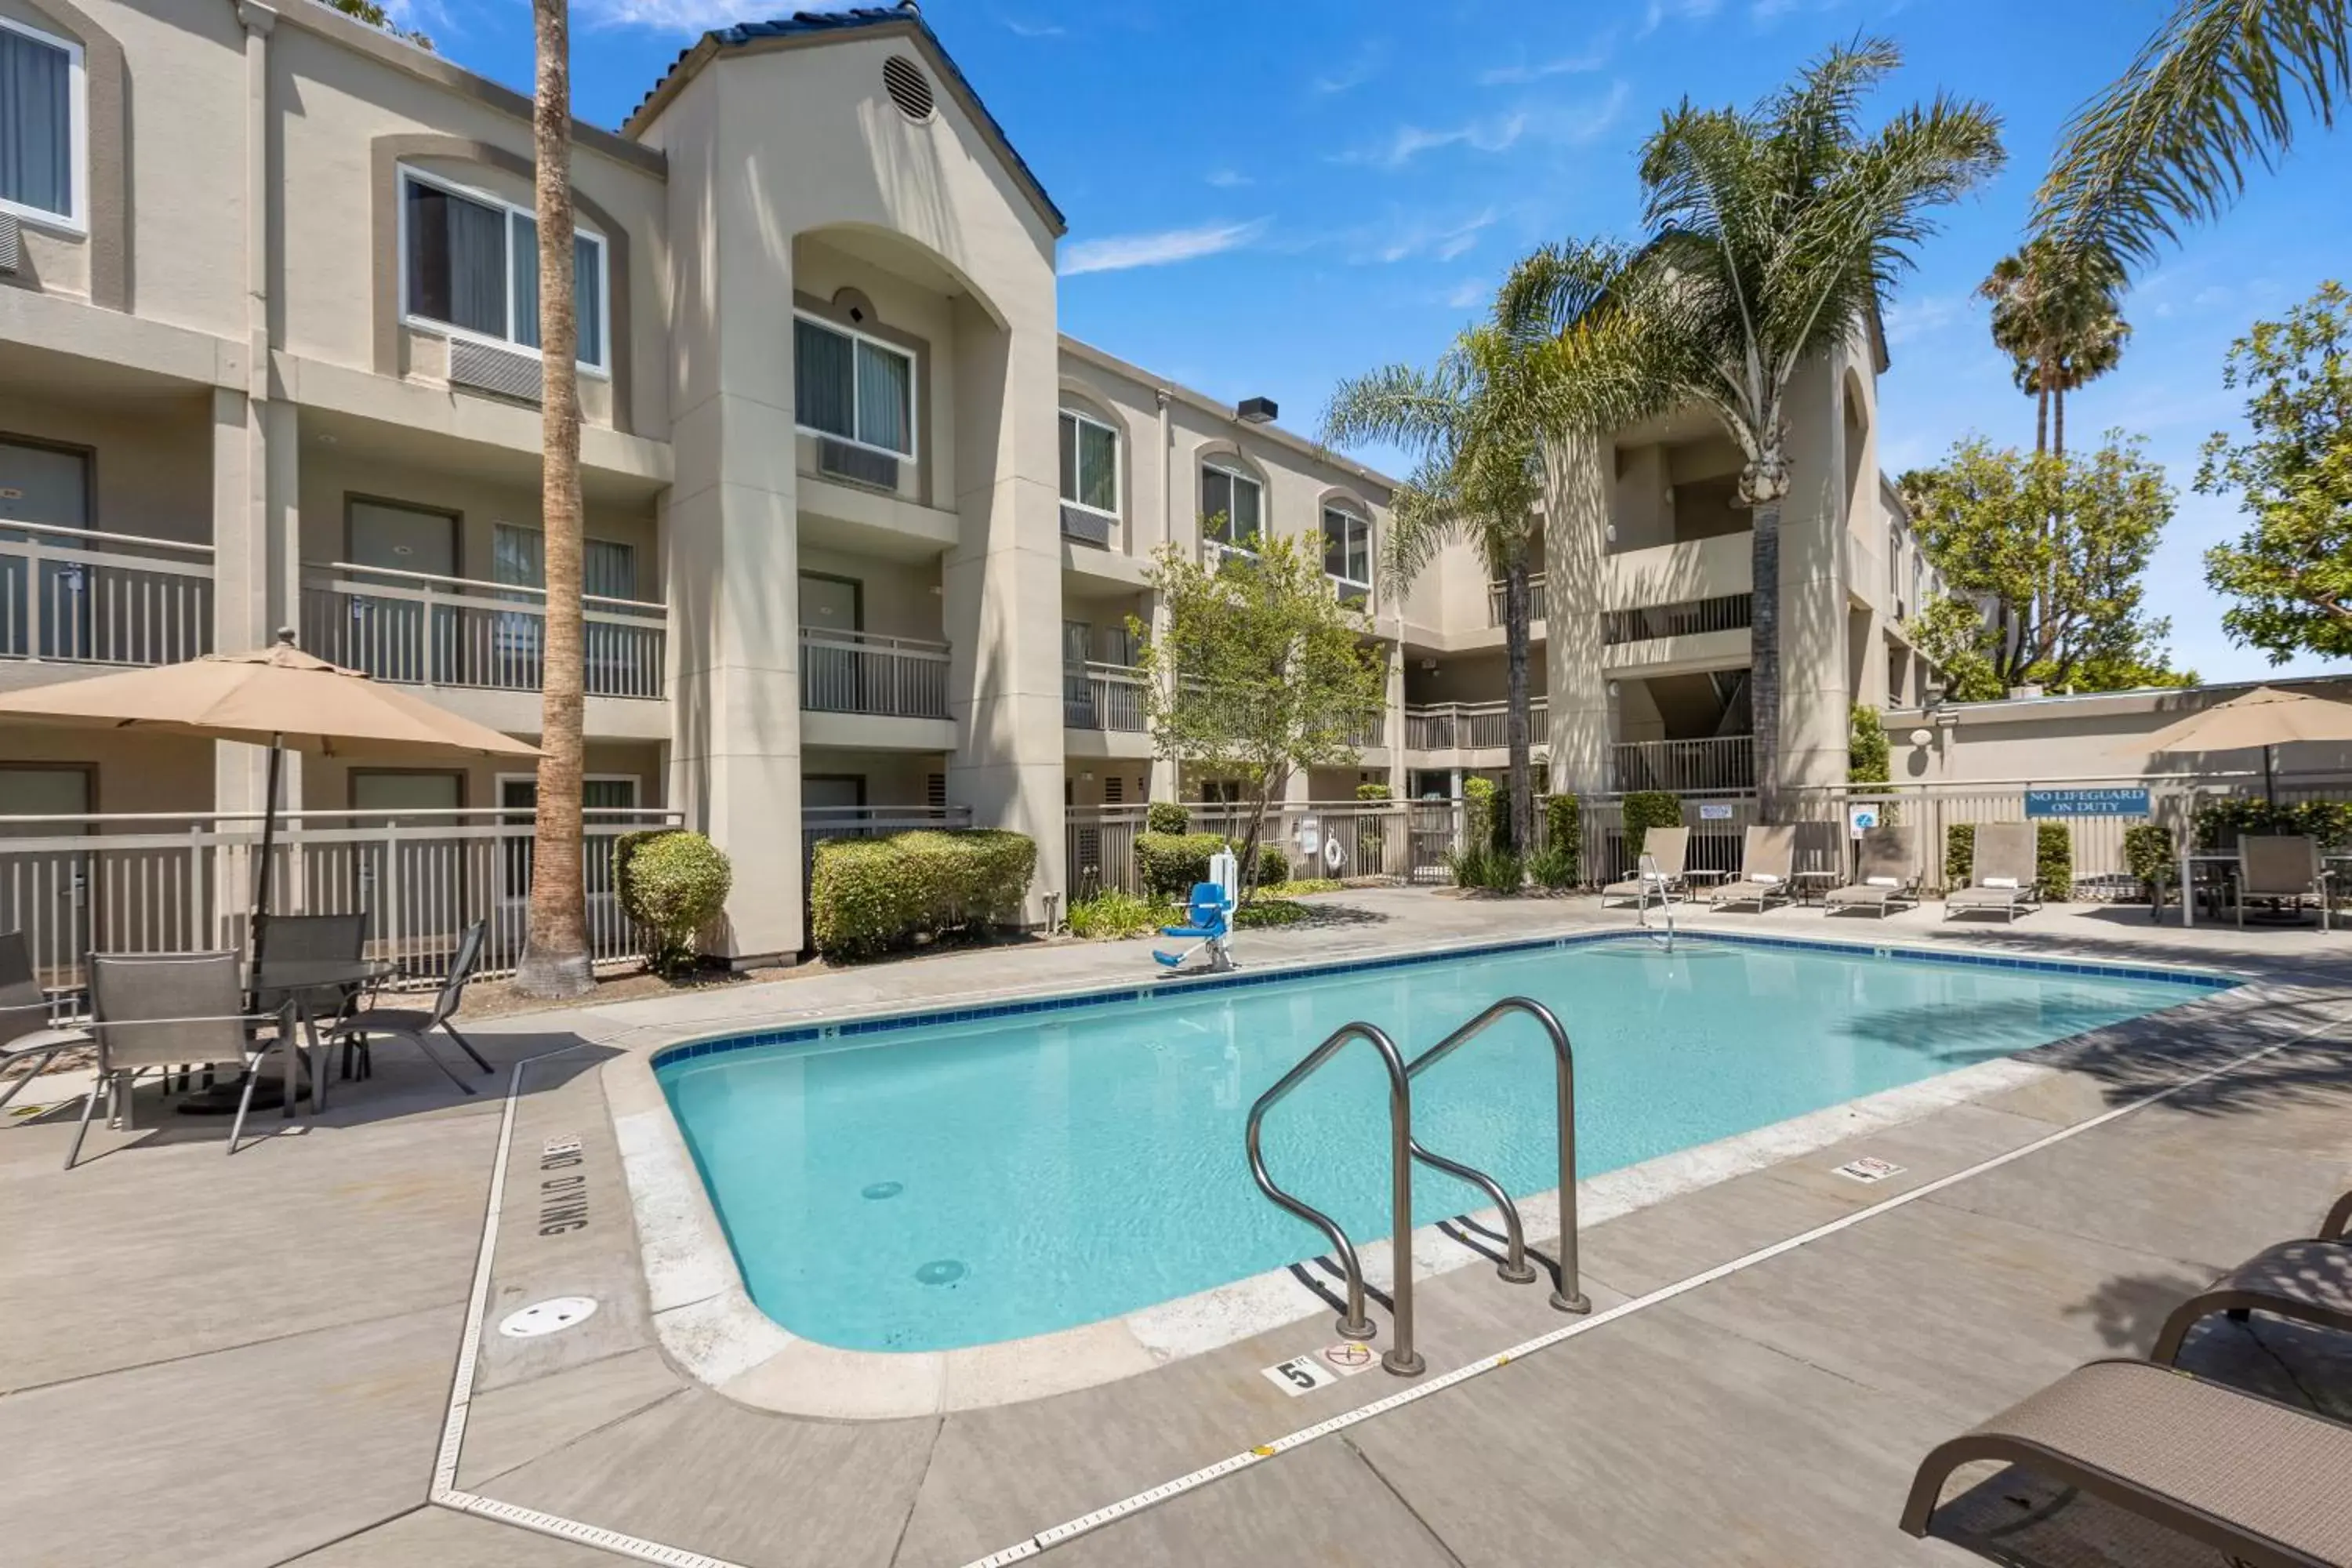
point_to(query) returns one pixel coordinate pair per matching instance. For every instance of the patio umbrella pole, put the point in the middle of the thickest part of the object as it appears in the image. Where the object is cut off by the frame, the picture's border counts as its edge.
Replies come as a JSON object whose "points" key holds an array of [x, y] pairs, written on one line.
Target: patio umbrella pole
{"points": [[2269, 794], [260, 911]]}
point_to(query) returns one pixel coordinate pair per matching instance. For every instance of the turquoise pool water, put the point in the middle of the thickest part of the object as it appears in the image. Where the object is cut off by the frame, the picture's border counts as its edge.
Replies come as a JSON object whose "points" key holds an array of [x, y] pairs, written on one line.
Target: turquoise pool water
{"points": [[959, 1182]]}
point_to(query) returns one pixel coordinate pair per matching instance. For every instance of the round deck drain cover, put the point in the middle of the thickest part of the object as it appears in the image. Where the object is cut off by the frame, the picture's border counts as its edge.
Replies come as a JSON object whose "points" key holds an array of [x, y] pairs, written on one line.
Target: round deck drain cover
{"points": [[549, 1317], [883, 1190], [941, 1271]]}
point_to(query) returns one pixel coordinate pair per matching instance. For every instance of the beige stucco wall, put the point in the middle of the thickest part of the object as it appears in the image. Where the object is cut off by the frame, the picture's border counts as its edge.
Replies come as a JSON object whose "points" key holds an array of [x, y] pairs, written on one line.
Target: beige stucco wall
{"points": [[149, 458], [2050, 740]]}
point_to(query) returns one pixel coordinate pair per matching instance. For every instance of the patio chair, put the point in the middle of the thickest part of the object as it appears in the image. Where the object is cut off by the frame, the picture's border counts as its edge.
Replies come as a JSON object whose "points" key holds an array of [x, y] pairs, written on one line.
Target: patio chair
{"points": [[2282, 869], [297, 939], [161, 1010], [1885, 874], [415, 1024], [2305, 1281], [26, 1031], [2002, 874], [1767, 859], [1667, 847], [2260, 1481]]}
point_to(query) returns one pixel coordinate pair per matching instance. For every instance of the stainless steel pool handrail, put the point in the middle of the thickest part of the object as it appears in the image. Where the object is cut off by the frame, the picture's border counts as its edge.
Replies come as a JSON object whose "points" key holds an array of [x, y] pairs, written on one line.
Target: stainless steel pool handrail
{"points": [[1567, 1296], [1400, 1357]]}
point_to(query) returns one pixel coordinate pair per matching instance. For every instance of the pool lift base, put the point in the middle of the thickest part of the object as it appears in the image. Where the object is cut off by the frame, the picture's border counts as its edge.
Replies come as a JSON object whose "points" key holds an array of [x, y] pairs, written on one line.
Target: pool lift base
{"points": [[1207, 916]]}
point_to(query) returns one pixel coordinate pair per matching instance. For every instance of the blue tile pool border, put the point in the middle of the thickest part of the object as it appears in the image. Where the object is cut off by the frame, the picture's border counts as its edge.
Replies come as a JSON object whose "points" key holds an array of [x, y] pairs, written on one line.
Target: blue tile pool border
{"points": [[2197, 981]]}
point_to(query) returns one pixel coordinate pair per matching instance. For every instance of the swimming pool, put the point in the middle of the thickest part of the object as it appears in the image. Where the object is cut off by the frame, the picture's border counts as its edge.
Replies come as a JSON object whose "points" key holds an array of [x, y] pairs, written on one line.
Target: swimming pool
{"points": [[958, 1179]]}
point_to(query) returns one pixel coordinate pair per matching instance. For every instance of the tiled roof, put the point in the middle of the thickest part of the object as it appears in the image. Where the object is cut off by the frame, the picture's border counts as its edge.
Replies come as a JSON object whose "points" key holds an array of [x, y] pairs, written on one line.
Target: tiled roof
{"points": [[809, 23]]}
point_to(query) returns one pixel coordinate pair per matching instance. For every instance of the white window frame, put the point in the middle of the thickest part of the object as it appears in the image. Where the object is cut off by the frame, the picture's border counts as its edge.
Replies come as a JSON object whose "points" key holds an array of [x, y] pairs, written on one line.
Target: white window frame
{"points": [[600, 370], [914, 391], [1347, 584], [1118, 462], [1238, 475], [75, 222]]}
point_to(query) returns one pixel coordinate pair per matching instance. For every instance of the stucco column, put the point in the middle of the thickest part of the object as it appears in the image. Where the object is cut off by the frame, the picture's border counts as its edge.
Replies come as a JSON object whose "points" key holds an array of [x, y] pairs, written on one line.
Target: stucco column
{"points": [[1814, 691], [1163, 771], [1576, 520], [1002, 586], [1395, 727]]}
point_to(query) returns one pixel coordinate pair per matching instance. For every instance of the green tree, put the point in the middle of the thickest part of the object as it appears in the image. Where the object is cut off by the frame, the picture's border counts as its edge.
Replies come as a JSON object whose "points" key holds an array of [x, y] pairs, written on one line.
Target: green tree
{"points": [[2058, 315], [2291, 572], [2057, 546], [2219, 85], [378, 16], [1261, 671], [1868, 753], [1782, 227]]}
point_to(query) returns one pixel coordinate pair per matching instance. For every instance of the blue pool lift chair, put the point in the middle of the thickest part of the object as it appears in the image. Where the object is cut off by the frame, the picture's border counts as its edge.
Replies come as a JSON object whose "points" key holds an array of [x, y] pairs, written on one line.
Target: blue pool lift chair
{"points": [[1208, 920]]}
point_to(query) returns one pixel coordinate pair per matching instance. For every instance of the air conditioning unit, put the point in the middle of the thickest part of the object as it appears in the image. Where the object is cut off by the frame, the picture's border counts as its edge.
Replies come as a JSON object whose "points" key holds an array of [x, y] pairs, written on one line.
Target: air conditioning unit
{"points": [[1085, 527], [856, 464], [495, 369]]}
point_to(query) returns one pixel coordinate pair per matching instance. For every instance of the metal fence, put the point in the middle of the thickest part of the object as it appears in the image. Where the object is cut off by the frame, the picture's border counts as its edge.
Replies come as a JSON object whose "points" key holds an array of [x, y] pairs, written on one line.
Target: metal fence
{"points": [[857, 672], [155, 883], [1097, 696], [77, 595], [454, 631], [1375, 839]]}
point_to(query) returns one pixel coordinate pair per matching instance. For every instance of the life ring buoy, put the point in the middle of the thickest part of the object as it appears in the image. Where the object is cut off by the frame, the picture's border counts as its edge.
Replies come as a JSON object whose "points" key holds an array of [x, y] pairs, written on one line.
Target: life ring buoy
{"points": [[1335, 854]]}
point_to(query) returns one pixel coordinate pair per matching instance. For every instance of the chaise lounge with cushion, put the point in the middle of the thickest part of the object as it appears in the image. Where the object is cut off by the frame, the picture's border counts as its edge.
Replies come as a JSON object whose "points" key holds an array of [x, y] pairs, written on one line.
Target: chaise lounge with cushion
{"points": [[2002, 876], [1666, 848], [1886, 877], [1767, 856]]}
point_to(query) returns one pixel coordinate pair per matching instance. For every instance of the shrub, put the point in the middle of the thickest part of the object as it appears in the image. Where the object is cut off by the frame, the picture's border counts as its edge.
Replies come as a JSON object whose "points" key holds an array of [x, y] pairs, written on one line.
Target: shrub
{"points": [[1269, 912], [1374, 792], [672, 883], [2148, 854], [1302, 886], [2054, 858], [1647, 808], [1273, 865], [1488, 870], [2220, 822], [1170, 863], [870, 895], [1114, 913], [1866, 752], [1480, 822], [1167, 816], [1563, 860]]}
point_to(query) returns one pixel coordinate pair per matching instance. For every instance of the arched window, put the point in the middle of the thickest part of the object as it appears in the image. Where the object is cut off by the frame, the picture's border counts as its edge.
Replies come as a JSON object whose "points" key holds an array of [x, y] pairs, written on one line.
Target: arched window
{"points": [[1348, 552], [1233, 507], [1089, 464]]}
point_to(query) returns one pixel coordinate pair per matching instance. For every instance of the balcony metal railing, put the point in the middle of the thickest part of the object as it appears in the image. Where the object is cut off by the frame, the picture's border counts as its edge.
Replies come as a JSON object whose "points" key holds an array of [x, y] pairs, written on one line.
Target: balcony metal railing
{"points": [[1471, 726], [1368, 730], [858, 672], [1494, 593], [1728, 612], [1103, 697], [1717, 762], [78, 595], [425, 630]]}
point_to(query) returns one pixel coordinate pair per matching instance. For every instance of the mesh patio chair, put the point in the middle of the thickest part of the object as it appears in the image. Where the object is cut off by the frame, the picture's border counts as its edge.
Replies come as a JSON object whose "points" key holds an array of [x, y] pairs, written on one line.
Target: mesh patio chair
{"points": [[1666, 848], [2002, 875], [26, 1031], [1767, 859], [301, 938], [2283, 871], [161, 1010], [415, 1024], [1886, 874]]}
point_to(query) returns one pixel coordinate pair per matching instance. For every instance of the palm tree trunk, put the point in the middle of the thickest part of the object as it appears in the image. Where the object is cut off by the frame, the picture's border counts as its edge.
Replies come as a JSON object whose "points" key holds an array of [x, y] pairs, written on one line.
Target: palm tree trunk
{"points": [[2058, 420], [1516, 635], [554, 961], [2040, 418], [1764, 659]]}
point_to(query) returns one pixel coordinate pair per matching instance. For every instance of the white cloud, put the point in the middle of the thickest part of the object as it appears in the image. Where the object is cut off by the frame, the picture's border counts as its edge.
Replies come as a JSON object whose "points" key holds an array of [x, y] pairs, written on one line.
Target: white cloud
{"points": [[1404, 241], [1119, 252], [675, 16], [1360, 68], [1554, 124], [1020, 28], [1228, 179], [1469, 293], [1909, 320], [1592, 59], [1661, 12]]}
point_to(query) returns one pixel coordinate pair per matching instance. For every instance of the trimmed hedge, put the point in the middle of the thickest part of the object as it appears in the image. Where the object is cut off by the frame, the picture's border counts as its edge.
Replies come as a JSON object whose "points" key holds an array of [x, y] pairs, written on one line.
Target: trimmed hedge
{"points": [[1170, 863], [2148, 854], [1273, 865], [870, 895], [2053, 858], [1561, 862], [672, 883], [1167, 816], [2220, 823], [1647, 808], [1482, 827]]}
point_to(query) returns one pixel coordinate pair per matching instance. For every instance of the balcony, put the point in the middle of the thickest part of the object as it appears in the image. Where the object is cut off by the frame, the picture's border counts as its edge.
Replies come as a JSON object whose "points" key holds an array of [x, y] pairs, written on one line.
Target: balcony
{"points": [[1107, 697], [422, 630], [1728, 612], [1717, 762], [1471, 726], [1494, 593], [885, 677], [75, 596], [1368, 730]]}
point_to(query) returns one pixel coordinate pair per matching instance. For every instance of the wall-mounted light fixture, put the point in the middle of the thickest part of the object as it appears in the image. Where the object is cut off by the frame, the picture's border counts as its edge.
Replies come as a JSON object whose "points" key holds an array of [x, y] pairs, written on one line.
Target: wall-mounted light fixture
{"points": [[1256, 411]]}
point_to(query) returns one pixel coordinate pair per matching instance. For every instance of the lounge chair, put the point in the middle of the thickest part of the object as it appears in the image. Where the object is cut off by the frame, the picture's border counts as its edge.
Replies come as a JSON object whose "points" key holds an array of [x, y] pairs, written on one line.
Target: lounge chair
{"points": [[1885, 874], [1667, 849], [1767, 860], [2283, 871], [2002, 876], [2260, 1481], [415, 1025], [26, 1033], [161, 1010], [2308, 1281]]}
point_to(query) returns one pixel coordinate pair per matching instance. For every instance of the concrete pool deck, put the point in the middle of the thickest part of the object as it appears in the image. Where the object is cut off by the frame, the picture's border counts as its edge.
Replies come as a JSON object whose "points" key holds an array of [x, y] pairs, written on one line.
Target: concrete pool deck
{"points": [[250, 1359]]}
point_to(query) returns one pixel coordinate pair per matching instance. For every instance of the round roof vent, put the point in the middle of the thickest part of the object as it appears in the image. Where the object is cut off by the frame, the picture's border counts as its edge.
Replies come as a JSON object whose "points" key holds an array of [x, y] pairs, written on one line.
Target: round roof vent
{"points": [[903, 80]]}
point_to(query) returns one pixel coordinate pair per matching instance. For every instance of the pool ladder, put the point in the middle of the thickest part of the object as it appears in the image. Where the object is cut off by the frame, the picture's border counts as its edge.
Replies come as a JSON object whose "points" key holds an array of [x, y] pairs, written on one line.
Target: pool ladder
{"points": [[1400, 1358]]}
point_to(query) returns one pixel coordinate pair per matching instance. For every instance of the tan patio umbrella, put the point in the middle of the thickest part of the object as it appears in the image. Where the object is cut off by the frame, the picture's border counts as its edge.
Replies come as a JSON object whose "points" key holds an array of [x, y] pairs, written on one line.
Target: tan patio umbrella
{"points": [[2265, 717], [277, 697]]}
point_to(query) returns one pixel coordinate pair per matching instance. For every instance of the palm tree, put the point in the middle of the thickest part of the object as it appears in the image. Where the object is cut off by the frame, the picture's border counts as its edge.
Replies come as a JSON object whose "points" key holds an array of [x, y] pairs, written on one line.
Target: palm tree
{"points": [[2058, 314], [1780, 229], [1477, 475], [2220, 84], [554, 961]]}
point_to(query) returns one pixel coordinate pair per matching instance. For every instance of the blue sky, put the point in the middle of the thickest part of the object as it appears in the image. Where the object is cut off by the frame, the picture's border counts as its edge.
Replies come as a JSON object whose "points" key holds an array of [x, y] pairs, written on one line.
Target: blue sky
{"points": [[1264, 199]]}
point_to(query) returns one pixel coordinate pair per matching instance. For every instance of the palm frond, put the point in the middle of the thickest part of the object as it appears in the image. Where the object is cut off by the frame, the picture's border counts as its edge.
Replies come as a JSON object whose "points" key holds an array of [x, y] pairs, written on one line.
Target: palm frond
{"points": [[1397, 404], [1423, 518], [2221, 85]]}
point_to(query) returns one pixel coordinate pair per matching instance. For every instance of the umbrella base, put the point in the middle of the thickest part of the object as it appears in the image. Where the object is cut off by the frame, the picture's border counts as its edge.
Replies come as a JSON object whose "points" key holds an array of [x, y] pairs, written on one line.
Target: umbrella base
{"points": [[269, 1094]]}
